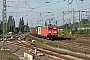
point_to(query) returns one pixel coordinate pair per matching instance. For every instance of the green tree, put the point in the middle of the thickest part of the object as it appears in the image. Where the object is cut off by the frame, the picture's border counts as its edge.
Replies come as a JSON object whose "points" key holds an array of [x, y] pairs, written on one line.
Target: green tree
{"points": [[1, 27], [16, 30], [11, 24], [21, 25]]}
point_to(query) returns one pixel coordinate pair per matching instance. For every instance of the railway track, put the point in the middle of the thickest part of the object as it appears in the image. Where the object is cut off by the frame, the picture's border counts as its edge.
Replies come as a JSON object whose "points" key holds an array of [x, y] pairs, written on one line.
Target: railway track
{"points": [[49, 51], [19, 43], [74, 45], [78, 46]]}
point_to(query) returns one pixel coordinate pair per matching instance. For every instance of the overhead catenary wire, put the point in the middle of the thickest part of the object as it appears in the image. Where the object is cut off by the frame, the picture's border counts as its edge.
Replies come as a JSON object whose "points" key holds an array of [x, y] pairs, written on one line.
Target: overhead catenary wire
{"points": [[33, 8], [30, 10], [25, 11], [43, 5], [72, 0]]}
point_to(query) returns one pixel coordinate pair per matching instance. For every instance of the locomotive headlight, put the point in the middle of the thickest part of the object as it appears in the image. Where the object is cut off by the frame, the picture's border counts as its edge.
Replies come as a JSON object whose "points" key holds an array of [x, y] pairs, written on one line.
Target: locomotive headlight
{"points": [[49, 32], [55, 32]]}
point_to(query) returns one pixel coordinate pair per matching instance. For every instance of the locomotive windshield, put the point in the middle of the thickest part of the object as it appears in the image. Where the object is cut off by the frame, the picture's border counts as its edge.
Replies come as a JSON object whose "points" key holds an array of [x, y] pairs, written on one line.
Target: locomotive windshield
{"points": [[51, 28], [54, 28]]}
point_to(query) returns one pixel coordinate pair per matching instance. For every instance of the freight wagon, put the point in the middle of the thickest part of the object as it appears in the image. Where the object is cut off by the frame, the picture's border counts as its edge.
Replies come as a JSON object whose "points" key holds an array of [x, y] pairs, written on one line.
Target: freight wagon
{"points": [[33, 31]]}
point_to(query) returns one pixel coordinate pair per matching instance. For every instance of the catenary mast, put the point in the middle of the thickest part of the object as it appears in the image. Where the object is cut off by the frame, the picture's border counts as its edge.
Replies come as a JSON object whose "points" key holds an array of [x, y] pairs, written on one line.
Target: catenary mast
{"points": [[4, 18]]}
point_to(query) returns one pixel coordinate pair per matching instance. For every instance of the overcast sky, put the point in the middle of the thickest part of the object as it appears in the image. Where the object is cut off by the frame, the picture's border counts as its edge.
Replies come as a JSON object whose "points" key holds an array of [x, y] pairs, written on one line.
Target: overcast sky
{"points": [[35, 11]]}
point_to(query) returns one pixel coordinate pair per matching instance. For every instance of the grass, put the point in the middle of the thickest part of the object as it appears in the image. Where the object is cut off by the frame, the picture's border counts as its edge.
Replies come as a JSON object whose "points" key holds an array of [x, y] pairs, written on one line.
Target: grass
{"points": [[10, 58], [0, 48], [28, 38], [45, 43], [4, 50]]}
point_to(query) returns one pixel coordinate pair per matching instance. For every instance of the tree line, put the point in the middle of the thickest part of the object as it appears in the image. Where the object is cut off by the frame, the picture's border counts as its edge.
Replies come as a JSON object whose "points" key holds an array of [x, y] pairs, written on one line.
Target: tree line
{"points": [[77, 27], [12, 28]]}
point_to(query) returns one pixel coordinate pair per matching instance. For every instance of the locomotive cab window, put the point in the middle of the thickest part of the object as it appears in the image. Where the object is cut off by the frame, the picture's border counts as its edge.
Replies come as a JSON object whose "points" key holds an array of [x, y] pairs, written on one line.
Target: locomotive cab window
{"points": [[54, 28], [50, 28]]}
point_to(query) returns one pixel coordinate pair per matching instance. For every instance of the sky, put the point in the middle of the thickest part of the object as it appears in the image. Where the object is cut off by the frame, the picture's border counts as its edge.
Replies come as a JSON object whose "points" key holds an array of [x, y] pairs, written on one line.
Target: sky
{"points": [[36, 12]]}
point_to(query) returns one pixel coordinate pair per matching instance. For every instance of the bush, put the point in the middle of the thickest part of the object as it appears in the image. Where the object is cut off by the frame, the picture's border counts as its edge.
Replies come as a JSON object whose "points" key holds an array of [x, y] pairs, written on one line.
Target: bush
{"points": [[88, 31], [85, 31]]}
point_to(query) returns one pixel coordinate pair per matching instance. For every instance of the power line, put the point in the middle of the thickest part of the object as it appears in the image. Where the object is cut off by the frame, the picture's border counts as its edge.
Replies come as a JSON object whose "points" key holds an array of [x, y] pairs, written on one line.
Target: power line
{"points": [[43, 6]]}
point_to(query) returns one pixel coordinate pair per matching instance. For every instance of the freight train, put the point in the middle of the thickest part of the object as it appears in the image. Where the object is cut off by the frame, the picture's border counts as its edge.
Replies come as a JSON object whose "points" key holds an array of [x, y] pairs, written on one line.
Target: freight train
{"points": [[48, 31]]}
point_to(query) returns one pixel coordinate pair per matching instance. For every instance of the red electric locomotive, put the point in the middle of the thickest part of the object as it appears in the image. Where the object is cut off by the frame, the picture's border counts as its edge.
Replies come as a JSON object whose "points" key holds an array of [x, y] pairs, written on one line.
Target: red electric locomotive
{"points": [[49, 31]]}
